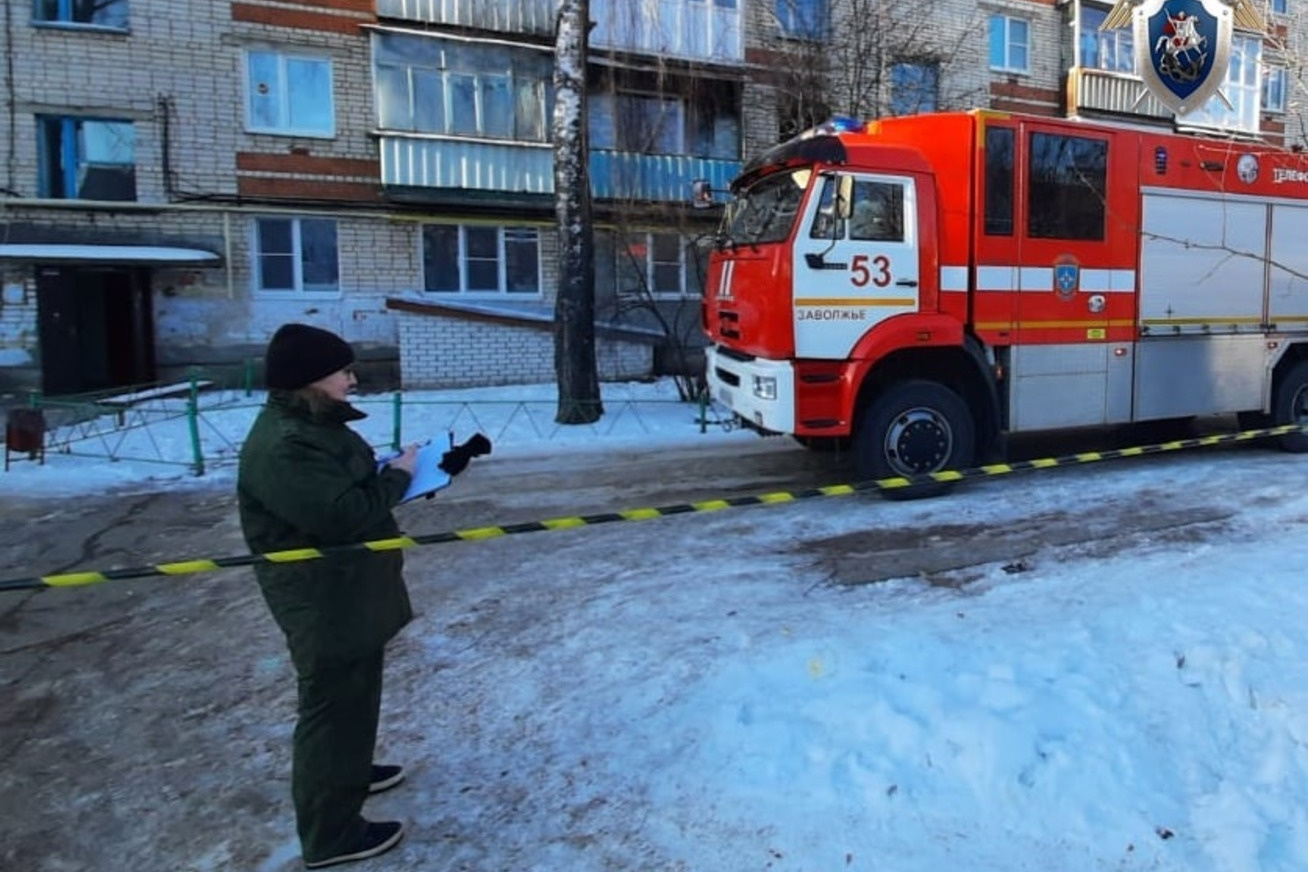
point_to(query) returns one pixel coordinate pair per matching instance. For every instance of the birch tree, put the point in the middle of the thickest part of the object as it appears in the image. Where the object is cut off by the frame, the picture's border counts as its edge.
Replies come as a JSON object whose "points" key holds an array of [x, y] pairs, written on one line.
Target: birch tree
{"points": [[574, 305]]}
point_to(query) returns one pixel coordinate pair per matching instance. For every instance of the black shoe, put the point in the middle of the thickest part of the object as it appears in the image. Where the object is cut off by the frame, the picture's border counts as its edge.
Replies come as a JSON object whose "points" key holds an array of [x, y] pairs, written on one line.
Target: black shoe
{"points": [[378, 838], [384, 778]]}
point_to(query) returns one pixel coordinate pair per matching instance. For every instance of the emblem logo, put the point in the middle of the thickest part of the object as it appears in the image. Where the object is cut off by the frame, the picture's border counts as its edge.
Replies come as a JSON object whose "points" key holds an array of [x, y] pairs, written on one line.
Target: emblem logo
{"points": [[1067, 278], [1183, 47]]}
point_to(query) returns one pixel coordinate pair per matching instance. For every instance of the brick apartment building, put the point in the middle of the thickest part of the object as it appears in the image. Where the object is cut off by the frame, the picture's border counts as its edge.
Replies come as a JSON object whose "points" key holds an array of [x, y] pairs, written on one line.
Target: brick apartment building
{"points": [[180, 178]]}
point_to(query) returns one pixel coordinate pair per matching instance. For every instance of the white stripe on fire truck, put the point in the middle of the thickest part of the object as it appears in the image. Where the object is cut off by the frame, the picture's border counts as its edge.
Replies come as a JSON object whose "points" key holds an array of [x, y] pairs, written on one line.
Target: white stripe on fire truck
{"points": [[1038, 279], [1108, 281], [1035, 278], [953, 278], [996, 278]]}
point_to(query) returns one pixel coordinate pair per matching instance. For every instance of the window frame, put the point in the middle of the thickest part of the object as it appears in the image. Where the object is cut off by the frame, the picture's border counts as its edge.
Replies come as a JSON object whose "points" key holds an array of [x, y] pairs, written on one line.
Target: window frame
{"points": [[72, 158], [791, 27], [1048, 212], [999, 211], [612, 108], [1008, 44], [623, 264], [1246, 96], [504, 236], [1273, 90], [883, 220], [284, 127], [298, 291], [1120, 43], [64, 18], [927, 75], [414, 79]]}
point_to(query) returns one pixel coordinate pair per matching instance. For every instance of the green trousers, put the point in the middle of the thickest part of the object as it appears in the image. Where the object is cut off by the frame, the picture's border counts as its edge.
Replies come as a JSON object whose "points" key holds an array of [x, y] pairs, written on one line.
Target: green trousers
{"points": [[332, 756]]}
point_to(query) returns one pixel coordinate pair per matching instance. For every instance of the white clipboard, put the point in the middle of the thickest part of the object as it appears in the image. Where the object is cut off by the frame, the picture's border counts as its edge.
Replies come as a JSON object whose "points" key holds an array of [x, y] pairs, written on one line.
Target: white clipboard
{"points": [[428, 477]]}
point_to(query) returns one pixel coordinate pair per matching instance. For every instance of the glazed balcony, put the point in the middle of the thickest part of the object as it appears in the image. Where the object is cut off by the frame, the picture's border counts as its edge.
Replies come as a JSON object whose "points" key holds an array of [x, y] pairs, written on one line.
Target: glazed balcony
{"points": [[698, 30]]}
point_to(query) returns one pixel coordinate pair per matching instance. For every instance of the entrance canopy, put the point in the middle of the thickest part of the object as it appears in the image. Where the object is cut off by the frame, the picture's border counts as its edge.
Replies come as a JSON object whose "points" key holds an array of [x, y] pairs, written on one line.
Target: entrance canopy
{"points": [[136, 255]]}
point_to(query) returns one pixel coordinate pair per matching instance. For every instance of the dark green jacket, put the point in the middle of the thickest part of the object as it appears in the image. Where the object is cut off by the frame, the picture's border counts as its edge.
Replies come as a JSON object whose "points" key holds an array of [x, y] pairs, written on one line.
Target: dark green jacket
{"points": [[307, 480]]}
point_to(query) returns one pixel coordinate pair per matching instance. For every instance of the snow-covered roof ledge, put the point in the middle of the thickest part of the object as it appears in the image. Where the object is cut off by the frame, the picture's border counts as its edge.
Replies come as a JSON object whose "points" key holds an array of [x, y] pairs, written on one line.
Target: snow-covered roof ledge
{"points": [[540, 318], [167, 255]]}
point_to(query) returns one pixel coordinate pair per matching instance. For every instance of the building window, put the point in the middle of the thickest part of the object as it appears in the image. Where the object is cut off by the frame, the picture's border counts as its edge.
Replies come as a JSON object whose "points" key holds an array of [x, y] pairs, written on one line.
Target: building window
{"points": [[1112, 50], [802, 19], [914, 87], [1241, 86], [289, 94], [1010, 44], [296, 255], [1067, 187], [1274, 85], [1280, 7], [87, 158], [97, 13], [653, 263], [713, 124], [643, 123], [427, 85], [472, 259]]}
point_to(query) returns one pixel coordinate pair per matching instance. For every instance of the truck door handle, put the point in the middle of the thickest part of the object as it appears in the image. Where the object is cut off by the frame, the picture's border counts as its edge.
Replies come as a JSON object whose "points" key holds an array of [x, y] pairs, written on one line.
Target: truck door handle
{"points": [[906, 283]]}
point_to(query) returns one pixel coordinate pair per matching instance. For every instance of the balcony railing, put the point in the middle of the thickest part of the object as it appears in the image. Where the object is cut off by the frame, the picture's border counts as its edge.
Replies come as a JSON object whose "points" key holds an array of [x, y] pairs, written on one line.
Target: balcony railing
{"points": [[515, 168], [624, 175], [507, 16], [460, 163], [1105, 91]]}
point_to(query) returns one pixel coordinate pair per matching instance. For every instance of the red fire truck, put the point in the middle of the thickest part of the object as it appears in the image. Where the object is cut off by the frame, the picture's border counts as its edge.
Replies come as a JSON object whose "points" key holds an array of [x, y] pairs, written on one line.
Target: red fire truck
{"points": [[919, 286]]}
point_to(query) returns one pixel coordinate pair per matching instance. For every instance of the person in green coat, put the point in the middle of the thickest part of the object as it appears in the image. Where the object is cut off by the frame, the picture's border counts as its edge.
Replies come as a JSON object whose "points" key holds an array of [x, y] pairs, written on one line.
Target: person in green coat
{"points": [[307, 480]]}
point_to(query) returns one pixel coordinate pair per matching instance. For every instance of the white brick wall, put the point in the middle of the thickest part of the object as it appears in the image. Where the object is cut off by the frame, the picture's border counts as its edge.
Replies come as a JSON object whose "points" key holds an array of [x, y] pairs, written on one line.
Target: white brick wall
{"points": [[439, 351], [18, 346]]}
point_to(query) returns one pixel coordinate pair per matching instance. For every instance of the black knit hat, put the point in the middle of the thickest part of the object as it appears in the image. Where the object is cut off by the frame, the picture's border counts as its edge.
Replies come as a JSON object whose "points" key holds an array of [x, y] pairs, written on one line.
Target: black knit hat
{"points": [[299, 355]]}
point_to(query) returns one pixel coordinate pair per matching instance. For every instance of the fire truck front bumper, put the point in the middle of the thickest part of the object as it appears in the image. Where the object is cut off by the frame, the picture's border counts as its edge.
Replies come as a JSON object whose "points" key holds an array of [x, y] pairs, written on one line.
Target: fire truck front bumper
{"points": [[760, 392]]}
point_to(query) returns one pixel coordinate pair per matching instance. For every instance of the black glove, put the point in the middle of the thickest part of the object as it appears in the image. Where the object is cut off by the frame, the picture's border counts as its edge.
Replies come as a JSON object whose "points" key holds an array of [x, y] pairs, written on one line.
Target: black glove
{"points": [[456, 459]]}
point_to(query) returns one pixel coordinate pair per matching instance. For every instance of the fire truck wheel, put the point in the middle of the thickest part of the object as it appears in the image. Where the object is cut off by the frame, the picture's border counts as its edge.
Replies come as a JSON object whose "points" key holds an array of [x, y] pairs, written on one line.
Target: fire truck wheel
{"points": [[1290, 406], [915, 427]]}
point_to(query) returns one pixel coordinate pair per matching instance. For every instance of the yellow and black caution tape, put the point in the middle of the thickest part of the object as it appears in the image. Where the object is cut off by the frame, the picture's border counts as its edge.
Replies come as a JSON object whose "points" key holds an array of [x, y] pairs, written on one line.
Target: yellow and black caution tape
{"points": [[189, 567]]}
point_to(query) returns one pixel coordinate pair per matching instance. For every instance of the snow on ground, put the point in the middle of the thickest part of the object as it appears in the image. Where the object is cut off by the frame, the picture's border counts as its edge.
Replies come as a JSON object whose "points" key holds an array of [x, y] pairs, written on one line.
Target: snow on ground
{"points": [[1141, 709]]}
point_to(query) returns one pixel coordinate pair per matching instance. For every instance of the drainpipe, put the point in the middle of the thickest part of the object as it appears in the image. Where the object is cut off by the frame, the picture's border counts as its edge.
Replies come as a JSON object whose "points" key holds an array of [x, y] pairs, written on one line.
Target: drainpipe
{"points": [[1074, 94], [12, 99], [1076, 34], [227, 255]]}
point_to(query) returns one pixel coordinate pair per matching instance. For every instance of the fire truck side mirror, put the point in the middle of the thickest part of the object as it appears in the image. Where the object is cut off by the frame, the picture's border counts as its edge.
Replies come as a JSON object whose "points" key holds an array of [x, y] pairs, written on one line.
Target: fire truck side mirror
{"points": [[701, 194], [844, 197]]}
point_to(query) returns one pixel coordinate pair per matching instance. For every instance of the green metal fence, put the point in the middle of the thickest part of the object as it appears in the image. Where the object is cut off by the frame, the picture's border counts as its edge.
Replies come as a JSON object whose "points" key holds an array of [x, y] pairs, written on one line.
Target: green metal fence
{"points": [[199, 422]]}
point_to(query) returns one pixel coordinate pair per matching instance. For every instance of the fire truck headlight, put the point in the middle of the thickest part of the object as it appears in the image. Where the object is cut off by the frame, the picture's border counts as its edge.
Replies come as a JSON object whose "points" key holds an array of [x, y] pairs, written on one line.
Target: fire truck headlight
{"points": [[765, 387]]}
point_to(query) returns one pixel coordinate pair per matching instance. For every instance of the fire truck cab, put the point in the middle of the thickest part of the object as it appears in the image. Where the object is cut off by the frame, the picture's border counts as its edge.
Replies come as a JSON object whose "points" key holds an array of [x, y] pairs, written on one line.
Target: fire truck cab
{"points": [[919, 286]]}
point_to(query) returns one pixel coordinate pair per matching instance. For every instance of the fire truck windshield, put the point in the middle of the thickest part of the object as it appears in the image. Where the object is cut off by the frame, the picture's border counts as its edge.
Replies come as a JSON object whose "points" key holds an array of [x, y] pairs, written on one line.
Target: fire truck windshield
{"points": [[765, 211]]}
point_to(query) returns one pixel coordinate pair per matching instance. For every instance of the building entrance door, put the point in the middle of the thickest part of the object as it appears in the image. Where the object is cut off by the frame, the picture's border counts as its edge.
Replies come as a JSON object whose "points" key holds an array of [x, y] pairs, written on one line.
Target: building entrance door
{"points": [[96, 328]]}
